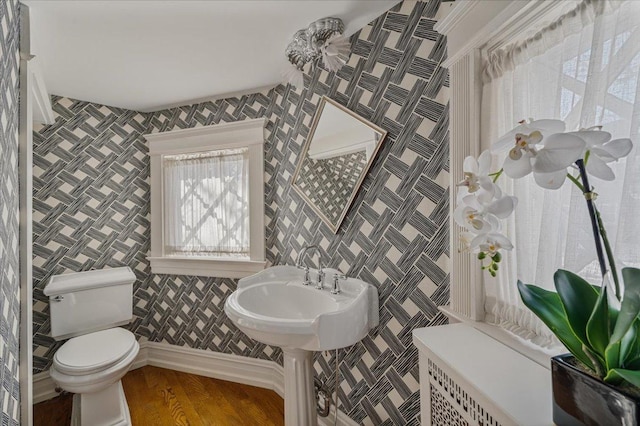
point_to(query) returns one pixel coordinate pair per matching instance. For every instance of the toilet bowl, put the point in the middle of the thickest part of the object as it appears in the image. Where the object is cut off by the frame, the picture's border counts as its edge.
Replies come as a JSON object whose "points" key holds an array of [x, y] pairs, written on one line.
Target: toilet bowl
{"points": [[91, 366], [88, 307]]}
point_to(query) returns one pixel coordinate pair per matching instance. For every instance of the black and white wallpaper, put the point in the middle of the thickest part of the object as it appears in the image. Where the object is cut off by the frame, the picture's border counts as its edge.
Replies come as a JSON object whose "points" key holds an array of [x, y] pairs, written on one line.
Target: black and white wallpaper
{"points": [[9, 211], [91, 201]]}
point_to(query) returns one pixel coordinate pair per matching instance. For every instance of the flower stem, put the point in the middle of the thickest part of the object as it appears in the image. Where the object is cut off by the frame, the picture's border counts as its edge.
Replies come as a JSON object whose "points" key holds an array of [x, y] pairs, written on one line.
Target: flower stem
{"points": [[586, 190], [607, 248], [496, 175], [575, 181]]}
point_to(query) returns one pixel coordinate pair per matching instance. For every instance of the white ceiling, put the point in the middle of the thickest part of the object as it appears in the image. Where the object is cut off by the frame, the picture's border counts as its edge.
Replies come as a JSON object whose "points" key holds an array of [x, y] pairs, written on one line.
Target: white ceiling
{"points": [[146, 55]]}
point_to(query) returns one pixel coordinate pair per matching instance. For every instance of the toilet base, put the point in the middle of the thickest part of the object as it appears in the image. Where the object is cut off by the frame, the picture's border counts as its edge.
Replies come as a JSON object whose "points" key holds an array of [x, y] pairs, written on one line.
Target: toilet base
{"points": [[107, 407]]}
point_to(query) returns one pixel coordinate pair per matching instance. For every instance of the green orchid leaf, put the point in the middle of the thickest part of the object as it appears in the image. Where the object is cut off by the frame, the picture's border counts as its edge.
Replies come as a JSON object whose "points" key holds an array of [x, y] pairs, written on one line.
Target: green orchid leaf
{"points": [[548, 307], [616, 375], [578, 298], [598, 329], [630, 303], [633, 364], [612, 355], [630, 275], [613, 314], [630, 347], [629, 310]]}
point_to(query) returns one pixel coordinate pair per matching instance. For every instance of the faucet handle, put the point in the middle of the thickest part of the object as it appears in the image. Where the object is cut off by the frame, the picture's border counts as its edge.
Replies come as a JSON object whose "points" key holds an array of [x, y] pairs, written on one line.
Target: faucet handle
{"points": [[336, 282], [305, 268], [320, 283]]}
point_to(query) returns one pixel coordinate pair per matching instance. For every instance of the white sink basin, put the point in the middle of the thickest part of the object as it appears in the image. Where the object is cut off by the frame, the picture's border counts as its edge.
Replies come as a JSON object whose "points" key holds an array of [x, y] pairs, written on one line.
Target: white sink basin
{"points": [[274, 307]]}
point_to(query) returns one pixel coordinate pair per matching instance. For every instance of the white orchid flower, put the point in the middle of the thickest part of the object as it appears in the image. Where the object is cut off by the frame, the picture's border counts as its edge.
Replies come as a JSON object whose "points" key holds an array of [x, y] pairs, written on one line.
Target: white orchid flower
{"points": [[560, 151], [602, 150], [488, 191], [552, 180], [525, 144], [502, 207], [465, 239], [476, 176], [519, 161], [475, 171], [544, 127], [548, 163], [482, 217], [475, 220], [491, 243]]}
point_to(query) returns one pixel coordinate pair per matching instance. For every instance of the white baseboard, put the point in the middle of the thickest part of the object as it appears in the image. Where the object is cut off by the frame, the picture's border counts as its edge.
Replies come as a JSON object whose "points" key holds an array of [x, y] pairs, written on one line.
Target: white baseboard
{"points": [[233, 368], [43, 387], [143, 355]]}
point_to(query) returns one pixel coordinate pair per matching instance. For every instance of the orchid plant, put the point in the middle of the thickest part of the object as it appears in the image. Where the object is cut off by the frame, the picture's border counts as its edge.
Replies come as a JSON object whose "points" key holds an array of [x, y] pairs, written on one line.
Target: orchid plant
{"points": [[596, 324]]}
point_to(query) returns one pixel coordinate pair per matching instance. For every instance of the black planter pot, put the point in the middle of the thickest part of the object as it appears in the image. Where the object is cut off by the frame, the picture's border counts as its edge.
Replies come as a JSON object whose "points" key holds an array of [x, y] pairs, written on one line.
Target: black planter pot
{"points": [[581, 399]]}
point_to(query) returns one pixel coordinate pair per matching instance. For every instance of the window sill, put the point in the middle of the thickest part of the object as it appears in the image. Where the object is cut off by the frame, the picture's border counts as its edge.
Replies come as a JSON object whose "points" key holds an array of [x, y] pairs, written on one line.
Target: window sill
{"points": [[534, 353], [205, 267]]}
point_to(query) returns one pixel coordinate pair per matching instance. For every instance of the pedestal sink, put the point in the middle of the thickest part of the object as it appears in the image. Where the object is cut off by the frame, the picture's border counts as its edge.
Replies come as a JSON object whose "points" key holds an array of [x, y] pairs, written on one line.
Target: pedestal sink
{"points": [[274, 307]]}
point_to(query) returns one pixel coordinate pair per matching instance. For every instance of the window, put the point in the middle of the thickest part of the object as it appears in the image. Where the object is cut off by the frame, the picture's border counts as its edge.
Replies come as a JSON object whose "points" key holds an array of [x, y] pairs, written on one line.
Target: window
{"points": [[206, 203], [207, 200], [584, 71], [591, 78]]}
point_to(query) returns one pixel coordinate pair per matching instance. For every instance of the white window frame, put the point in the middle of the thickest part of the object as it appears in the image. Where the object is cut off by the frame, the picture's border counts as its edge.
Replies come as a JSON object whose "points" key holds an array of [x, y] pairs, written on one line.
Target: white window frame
{"points": [[241, 134], [475, 28]]}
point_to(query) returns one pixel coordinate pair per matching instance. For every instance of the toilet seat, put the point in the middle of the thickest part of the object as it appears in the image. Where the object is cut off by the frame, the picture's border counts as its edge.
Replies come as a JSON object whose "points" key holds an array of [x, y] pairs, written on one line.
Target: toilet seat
{"points": [[94, 352]]}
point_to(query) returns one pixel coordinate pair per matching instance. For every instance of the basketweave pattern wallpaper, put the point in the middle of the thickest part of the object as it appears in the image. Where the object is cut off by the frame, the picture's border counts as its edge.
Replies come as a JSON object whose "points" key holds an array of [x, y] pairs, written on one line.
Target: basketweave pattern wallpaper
{"points": [[90, 202], [91, 209], [9, 213]]}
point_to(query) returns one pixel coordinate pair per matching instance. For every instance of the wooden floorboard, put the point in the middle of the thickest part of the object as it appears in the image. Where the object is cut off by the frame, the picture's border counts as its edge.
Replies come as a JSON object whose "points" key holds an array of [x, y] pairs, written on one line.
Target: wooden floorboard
{"points": [[159, 397], [54, 412]]}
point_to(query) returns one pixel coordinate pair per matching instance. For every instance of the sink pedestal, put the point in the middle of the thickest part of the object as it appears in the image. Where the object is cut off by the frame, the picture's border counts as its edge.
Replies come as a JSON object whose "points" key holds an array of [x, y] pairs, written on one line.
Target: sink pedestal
{"points": [[299, 395]]}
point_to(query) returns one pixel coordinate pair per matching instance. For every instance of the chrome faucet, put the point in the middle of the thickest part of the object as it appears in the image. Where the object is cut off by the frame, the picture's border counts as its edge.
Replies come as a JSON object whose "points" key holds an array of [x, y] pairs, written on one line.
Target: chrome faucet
{"points": [[336, 283], [320, 283], [307, 281]]}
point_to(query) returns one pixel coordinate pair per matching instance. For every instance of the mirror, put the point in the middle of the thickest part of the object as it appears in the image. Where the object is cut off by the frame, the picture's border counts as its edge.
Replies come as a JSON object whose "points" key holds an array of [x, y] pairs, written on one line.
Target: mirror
{"points": [[335, 159]]}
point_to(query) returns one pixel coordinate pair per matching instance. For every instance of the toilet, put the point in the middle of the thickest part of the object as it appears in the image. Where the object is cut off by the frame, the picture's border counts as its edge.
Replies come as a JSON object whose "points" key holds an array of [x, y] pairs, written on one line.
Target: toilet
{"points": [[87, 308]]}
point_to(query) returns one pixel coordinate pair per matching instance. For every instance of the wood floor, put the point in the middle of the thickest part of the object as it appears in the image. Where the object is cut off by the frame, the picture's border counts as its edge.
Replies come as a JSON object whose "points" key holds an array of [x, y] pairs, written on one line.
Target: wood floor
{"points": [[159, 397]]}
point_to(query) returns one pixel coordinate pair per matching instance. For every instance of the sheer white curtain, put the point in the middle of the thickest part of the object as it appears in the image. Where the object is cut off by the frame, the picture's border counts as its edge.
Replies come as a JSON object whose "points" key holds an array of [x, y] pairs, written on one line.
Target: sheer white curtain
{"points": [[206, 203], [584, 69]]}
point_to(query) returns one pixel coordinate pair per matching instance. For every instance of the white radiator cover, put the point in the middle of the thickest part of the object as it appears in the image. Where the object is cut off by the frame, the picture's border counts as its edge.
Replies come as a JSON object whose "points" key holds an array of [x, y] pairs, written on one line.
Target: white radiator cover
{"points": [[468, 378]]}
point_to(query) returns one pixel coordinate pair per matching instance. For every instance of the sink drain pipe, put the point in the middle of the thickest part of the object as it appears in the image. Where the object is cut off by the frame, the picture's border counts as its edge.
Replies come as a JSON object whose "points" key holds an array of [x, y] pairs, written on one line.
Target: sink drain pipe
{"points": [[335, 418], [323, 401], [323, 396]]}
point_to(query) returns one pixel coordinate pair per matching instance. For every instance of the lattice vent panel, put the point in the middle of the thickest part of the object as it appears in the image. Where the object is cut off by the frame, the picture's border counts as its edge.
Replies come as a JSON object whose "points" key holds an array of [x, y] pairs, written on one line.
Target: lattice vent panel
{"points": [[442, 412], [451, 404]]}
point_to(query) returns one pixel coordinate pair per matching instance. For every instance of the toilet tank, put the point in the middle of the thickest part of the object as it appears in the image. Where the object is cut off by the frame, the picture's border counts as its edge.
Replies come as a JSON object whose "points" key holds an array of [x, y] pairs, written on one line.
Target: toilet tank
{"points": [[84, 302]]}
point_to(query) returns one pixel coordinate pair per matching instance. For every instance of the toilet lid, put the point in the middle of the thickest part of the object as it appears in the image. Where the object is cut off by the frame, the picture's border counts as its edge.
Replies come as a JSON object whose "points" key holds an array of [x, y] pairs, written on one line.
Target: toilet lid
{"points": [[94, 351]]}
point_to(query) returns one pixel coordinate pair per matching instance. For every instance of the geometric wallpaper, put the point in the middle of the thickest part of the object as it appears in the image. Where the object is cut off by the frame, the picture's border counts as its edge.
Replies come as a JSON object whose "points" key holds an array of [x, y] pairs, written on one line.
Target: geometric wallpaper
{"points": [[9, 211], [90, 202], [91, 209]]}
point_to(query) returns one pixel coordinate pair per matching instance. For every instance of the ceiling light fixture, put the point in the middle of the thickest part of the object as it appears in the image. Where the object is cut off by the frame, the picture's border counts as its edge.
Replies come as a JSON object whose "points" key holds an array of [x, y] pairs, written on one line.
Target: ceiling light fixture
{"points": [[322, 41]]}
